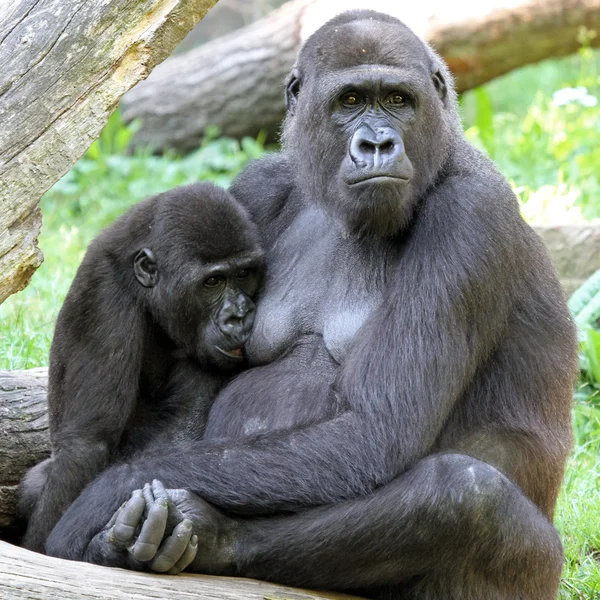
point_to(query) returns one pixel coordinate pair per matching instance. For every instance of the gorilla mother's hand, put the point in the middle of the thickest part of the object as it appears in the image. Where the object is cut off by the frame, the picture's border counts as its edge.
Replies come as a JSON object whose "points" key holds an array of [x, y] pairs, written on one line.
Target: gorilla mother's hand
{"points": [[164, 531]]}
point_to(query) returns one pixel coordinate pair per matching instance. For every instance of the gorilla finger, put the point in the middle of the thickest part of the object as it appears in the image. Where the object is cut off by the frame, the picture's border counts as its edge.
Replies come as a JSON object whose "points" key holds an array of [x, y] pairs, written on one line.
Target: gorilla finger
{"points": [[173, 548], [159, 491], [148, 495], [188, 556], [128, 518], [113, 519], [152, 533]]}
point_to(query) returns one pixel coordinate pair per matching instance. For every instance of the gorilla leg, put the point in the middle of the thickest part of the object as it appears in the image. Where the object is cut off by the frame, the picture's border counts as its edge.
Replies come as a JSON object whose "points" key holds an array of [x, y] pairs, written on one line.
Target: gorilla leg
{"points": [[452, 527], [31, 488], [58, 480]]}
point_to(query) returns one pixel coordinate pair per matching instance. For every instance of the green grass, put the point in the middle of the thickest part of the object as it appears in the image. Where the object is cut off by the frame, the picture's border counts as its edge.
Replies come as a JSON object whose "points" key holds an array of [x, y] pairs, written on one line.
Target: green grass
{"points": [[548, 149], [578, 511]]}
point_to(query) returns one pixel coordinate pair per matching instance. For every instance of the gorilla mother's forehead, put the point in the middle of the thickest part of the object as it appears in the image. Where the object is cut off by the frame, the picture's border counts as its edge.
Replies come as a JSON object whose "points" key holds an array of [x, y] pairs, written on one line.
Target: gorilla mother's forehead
{"points": [[364, 42], [375, 76]]}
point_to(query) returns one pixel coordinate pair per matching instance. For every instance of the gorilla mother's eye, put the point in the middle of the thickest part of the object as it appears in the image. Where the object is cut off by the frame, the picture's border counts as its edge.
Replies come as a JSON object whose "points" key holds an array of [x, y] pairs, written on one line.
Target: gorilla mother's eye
{"points": [[214, 281], [243, 273], [396, 99], [350, 99]]}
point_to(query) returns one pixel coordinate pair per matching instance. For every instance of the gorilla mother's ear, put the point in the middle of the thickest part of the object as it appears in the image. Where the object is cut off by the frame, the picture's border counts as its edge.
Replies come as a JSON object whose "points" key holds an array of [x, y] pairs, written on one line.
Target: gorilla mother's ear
{"points": [[440, 85], [145, 268], [292, 89]]}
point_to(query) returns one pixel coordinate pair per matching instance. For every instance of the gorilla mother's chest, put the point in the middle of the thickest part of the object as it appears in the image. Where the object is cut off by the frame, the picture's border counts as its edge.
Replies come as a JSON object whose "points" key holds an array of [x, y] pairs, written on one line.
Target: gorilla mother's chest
{"points": [[318, 283]]}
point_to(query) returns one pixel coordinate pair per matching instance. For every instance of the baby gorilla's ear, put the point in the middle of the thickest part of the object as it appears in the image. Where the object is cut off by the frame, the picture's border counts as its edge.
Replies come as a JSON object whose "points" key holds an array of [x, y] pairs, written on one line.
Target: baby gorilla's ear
{"points": [[145, 268], [292, 89]]}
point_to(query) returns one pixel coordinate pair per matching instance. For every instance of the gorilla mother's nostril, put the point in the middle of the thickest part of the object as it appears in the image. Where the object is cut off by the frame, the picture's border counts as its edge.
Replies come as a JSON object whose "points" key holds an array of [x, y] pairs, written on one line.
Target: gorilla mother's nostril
{"points": [[367, 147], [387, 146]]}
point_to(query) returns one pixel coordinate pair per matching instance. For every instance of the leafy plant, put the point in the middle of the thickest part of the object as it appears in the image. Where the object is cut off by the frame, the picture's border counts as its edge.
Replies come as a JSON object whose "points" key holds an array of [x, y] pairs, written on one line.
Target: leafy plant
{"points": [[585, 306], [540, 126], [585, 303]]}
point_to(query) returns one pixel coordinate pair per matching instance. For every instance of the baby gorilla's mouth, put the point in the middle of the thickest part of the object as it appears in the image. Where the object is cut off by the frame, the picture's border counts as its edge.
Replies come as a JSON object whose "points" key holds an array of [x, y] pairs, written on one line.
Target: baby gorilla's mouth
{"points": [[237, 353]]}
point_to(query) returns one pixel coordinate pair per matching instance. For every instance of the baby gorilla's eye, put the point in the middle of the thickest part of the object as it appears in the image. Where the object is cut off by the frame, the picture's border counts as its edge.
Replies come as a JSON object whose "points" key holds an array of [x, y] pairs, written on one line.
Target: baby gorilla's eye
{"points": [[396, 99], [350, 99], [213, 281], [243, 274]]}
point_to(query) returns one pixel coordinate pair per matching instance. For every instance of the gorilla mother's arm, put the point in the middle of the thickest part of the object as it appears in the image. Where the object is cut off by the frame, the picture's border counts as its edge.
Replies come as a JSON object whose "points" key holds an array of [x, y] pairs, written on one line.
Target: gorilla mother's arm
{"points": [[444, 312]]}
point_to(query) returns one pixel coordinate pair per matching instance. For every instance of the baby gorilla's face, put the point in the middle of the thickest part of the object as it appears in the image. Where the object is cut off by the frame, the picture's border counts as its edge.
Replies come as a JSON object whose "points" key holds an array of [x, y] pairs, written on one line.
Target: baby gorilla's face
{"points": [[201, 270]]}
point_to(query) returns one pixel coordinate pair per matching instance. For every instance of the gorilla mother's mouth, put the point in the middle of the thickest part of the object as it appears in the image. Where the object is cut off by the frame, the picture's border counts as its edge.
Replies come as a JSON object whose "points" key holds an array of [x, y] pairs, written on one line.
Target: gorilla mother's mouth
{"points": [[237, 353], [374, 177]]}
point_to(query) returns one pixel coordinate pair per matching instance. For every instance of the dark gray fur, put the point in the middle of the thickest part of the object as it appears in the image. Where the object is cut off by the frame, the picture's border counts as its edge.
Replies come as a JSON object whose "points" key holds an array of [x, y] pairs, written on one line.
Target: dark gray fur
{"points": [[405, 430]]}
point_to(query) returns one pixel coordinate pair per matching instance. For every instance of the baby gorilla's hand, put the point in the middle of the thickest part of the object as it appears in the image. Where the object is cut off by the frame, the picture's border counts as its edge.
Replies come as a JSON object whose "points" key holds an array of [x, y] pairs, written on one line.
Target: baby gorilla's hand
{"points": [[140, 524]]}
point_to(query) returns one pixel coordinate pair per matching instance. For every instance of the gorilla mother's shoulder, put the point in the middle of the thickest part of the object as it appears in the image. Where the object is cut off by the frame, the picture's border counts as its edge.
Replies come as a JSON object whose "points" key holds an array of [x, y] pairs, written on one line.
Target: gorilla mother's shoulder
{"points": [[264, 187]]}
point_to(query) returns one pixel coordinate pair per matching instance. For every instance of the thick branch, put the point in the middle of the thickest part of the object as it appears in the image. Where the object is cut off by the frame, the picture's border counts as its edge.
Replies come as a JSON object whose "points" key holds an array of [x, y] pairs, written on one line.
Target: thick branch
{"points": [[63, 68], [236, 82], [25, 575]]}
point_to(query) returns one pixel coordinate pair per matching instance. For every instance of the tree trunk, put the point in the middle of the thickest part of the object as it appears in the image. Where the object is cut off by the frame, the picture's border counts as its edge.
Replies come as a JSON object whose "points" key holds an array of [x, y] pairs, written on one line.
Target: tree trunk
{"points": [[236, 82], [63, 68], [27, 575]]}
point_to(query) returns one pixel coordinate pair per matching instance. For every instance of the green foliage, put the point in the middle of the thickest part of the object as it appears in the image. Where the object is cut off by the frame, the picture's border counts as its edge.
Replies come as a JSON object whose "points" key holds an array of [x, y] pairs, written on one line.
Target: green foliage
{"points": [[540, 125], [585, 302], [578, 521], [107, 180], [585, 306], [590, 356], [578, 518]]}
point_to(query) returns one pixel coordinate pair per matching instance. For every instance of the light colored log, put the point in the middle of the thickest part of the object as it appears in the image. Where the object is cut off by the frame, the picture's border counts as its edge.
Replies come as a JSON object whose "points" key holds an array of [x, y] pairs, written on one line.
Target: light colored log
{"points": [[26, 575], [24, 439], [236, 82], [63, 68]]}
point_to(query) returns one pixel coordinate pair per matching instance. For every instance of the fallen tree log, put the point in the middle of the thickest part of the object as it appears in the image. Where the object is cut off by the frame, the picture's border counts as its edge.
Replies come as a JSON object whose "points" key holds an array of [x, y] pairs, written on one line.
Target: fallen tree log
{"points": [[236, 82], [63, 68], [24, 439], [27, 575]]}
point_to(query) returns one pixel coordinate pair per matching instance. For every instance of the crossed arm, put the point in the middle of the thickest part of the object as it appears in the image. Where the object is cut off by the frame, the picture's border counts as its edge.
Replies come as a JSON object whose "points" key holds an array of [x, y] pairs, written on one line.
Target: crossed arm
{"points": [[413, 360]]}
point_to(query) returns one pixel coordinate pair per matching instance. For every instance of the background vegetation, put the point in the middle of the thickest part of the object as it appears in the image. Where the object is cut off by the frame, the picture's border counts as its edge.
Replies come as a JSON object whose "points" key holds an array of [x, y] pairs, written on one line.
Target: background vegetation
{"points": [[540, 124]]}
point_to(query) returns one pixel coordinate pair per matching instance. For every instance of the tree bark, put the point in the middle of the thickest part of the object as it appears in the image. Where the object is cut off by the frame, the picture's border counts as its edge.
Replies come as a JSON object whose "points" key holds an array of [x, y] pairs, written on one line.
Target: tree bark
{"points": [[236, 82], [27, 575], [24, 439], [63, 68]]}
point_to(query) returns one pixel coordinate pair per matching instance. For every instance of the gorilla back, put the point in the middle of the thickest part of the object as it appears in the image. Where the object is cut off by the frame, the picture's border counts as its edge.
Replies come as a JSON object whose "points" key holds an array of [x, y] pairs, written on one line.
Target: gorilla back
{"points": [[440, 402], [152, 326]]}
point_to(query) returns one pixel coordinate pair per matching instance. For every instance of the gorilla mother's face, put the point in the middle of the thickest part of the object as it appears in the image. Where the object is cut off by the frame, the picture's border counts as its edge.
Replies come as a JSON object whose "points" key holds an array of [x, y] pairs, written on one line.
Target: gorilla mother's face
{"points": [[365, 123]]}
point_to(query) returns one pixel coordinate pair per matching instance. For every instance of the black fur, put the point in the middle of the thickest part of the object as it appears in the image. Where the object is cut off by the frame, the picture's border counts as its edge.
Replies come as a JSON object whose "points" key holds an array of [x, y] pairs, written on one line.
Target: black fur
{"points": [[134, 357], [406, 427]]}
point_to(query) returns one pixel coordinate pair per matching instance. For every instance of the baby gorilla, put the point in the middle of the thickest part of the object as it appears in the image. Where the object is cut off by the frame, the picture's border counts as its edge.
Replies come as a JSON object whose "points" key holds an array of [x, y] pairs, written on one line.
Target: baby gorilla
{"points": [[152, 327]]}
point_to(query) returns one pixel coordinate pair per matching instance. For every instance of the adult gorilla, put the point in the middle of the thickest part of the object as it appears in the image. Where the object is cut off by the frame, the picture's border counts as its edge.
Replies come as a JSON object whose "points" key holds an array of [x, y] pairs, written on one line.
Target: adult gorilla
{"points": [[412, 407]]}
